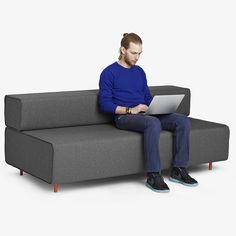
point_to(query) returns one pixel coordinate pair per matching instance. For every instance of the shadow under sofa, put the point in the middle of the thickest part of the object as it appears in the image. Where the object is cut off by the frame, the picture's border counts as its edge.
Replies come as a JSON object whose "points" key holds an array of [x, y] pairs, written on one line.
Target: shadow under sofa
{"points": [[62, 137]]}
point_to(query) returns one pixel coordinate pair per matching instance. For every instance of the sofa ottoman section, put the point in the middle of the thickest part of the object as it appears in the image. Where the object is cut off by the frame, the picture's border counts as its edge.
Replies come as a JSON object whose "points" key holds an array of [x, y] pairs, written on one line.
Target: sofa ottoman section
{"points": [[209, 142]]}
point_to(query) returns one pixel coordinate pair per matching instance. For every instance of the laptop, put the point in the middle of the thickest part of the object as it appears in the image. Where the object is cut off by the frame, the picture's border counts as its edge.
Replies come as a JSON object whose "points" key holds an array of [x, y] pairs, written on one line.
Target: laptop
{"points": [[164, 104]]}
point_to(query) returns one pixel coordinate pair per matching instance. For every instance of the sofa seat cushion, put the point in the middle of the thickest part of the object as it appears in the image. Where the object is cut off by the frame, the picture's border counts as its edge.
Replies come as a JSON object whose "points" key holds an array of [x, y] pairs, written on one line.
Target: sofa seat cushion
{"points": [[97, 151]]}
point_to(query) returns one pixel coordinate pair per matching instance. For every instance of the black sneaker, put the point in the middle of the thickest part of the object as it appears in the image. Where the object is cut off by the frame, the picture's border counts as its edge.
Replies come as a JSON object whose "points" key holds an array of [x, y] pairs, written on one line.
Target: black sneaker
{"points": [[156, 182], [180, 175]]}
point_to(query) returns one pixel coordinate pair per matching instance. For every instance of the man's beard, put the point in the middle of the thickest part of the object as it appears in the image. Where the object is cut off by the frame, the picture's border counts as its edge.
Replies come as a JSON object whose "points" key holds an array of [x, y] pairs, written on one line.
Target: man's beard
{"points": [[128, 62]]}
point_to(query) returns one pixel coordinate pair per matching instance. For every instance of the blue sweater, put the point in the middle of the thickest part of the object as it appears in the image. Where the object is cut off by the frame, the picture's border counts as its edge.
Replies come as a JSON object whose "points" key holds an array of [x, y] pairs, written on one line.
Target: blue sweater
{"points": [[120, 86]]}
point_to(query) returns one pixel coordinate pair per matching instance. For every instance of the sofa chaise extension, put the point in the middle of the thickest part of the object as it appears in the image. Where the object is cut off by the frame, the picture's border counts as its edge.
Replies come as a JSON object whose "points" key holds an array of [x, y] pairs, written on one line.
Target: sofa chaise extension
{"points": [[63, 137]]}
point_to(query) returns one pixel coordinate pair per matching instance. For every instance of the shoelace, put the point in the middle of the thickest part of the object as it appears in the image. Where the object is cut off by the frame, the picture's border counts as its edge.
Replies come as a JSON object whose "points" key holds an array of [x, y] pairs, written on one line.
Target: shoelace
{"points": [[158, 176], [185, 174]]}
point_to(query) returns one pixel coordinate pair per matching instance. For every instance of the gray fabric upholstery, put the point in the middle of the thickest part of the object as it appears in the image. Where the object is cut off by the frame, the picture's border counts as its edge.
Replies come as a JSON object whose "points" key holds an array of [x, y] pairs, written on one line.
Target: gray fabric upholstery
{"points": [[63, 137], [99, 151], [71, 108], [209, 141], [29, 153]]}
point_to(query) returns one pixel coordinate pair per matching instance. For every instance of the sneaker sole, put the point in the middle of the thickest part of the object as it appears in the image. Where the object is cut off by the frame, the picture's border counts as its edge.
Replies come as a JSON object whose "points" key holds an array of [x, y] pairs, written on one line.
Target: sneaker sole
{"points": [[181, 182], [156, 190]]}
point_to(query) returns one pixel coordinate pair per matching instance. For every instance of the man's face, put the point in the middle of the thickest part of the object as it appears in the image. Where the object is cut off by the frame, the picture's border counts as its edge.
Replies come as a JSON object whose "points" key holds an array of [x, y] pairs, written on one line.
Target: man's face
{"points": [[132, 54]]}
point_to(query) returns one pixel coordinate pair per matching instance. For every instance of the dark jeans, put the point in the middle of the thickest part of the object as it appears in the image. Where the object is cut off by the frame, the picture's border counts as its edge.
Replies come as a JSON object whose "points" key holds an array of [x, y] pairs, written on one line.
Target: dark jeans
{"points": [[151, 126]]}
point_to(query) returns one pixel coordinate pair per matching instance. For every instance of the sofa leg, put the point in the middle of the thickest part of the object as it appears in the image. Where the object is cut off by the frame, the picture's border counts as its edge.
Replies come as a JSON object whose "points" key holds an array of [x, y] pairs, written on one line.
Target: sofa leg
{"points": [[210, 165], [21, 172], [55, 187]]}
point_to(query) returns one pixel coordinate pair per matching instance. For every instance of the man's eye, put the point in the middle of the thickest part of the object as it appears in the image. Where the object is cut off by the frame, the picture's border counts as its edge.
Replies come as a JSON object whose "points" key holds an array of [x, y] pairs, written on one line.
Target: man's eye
{"points": [[134, 53]]}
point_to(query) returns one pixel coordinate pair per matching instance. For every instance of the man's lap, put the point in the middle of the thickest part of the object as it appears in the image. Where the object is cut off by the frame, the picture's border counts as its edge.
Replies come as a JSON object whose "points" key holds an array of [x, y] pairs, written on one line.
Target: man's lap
{"points": [[139, 122]]}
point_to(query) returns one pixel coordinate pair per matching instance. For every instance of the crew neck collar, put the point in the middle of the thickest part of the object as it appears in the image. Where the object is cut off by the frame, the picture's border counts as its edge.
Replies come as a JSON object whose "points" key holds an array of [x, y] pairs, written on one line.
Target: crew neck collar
{"points": [[124, 67]]}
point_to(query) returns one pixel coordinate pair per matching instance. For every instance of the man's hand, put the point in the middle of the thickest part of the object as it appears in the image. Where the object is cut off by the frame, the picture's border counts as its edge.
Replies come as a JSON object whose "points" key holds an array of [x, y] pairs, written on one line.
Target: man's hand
{"points": [[139, 108]]}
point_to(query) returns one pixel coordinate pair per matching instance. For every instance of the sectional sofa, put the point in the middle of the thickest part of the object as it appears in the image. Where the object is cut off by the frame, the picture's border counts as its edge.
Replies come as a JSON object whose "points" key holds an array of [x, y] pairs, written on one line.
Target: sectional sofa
{"points": [[62, 137]]}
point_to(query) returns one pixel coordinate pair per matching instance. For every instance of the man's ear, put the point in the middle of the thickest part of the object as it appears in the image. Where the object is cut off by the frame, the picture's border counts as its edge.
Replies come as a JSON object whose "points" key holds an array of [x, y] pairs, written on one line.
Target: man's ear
{"points": [[122, 49]]}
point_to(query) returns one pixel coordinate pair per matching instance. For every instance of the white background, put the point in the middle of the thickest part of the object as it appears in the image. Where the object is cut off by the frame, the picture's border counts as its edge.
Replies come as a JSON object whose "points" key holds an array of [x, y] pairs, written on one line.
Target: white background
{"points": [[63, 45]]}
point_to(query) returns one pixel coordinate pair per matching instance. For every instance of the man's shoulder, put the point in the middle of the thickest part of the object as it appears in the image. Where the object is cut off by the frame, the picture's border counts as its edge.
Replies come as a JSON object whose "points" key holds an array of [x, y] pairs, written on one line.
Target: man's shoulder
{"points": [[110, 67], [108, 72], [139, 68]]}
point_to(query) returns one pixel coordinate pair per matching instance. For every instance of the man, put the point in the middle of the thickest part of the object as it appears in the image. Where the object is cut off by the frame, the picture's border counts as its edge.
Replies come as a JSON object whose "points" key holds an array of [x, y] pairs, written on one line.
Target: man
{"points": [[124, 93]]}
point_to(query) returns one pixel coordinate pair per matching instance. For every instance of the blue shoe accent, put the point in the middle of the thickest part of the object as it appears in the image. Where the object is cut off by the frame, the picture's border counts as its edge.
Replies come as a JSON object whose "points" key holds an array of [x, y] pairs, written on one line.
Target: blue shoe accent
{"points": [[181, 182], [156, 190]]}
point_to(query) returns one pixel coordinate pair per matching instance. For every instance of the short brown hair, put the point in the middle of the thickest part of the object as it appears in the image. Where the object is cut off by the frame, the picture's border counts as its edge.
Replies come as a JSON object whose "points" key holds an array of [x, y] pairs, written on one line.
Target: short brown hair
{"points": [[127, 38]]}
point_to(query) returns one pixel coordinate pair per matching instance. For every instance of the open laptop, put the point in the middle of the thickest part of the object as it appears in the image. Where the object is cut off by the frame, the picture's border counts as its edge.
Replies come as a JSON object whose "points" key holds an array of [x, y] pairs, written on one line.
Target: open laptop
{"points": [[164, 104]]}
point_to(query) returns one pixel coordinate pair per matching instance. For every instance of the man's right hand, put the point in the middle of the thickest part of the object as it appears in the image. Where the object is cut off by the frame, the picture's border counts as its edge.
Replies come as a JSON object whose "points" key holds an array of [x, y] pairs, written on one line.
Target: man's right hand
{"points": [[139, 108]]}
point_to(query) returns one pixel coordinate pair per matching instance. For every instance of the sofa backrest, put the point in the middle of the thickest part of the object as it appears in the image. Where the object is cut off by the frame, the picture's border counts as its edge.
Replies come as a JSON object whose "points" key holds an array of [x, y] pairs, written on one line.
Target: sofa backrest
{"points": [[70, 108]]}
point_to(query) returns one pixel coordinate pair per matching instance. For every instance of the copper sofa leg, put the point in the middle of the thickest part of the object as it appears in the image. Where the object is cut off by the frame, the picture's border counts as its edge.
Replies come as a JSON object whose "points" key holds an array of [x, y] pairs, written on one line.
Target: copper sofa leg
{"points": [[55, 187], [210, 165], [21, 172]]}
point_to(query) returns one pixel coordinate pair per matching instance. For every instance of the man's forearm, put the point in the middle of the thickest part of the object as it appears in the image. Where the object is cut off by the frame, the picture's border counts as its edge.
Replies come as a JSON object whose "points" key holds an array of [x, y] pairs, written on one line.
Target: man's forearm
{"points": [[120, 110]]}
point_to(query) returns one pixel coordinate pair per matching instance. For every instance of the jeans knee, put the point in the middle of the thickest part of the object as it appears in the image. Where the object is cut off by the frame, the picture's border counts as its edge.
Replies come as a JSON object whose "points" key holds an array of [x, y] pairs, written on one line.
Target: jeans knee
{"points": [[153, 123], [183, 121]]}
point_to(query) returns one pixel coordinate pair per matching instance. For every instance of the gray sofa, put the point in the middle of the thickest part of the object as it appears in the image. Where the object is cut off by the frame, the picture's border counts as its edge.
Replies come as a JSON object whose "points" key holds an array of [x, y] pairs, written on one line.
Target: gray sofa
{"points": [[62, 137]]}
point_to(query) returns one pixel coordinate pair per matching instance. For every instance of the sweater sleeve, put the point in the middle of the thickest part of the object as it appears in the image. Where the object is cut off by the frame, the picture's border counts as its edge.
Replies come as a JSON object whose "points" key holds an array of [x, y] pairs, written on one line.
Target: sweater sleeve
{"points": [[147, 95], [105, 92]]}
